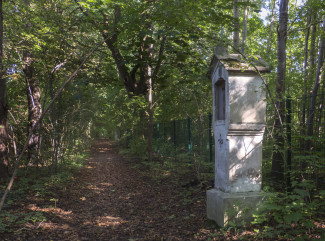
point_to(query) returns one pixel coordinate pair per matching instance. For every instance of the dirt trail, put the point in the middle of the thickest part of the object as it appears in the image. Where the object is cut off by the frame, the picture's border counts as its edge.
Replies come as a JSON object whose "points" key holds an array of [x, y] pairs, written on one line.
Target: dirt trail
{"points": [[110, 200]]}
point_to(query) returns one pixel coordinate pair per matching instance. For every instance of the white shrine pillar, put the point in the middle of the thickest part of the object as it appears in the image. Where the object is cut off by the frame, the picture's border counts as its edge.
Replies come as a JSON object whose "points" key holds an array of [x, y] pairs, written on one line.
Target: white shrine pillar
{"points": [[238, 123]]}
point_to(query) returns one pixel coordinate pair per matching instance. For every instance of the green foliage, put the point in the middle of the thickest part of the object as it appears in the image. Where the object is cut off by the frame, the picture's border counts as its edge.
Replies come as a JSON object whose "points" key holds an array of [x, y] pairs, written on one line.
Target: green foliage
{"points": [[9, 219], [37, 182], [96, 103], [288, 215], [137, 148]]}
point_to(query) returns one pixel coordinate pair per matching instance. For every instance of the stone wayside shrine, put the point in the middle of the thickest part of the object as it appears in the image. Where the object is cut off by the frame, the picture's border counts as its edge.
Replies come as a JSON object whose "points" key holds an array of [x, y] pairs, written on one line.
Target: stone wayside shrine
{"points": [[238, 123]]}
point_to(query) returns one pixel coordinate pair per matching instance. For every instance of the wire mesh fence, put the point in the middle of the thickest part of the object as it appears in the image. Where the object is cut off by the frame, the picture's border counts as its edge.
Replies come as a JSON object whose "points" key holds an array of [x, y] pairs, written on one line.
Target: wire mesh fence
{"points": [[187, 138], [303, 151], [303, 131]]}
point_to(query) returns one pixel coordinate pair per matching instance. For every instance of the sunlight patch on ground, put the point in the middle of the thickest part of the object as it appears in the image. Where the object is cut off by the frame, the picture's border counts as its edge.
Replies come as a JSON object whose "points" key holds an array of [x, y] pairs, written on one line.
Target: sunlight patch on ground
{"points": [[48, 226], [104, 149], [166, 173], [109, 221], [56, 210], [106, 184], [320, 225], [98, 189], [129, 195]]}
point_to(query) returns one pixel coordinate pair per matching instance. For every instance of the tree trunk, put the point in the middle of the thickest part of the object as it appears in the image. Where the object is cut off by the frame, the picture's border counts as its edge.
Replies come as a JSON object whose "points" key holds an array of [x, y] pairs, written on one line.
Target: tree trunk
{"points": [[144, 84], [236, 25], [278, 158], [306, 54], [58, 93], [132, 86], [312, 46], [34, 103], [3, 109], [269, 40], [244, 34], [305, 72], [312, 108], [146, 56], [151, 114], [311, 114]]}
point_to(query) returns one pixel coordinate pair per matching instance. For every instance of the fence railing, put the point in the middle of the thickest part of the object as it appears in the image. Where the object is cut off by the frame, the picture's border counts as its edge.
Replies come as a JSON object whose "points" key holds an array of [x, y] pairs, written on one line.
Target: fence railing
{"points": [[193, 138]]}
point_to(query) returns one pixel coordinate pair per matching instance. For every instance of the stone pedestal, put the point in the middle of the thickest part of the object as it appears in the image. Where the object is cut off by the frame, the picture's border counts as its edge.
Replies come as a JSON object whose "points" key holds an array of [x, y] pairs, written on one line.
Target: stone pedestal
{"points": [[239, 120], [237, 208]]}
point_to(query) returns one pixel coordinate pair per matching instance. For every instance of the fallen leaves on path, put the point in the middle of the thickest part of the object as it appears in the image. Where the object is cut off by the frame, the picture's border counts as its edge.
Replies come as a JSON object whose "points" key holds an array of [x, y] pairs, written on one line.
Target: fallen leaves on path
{"points": [[110, 200]]}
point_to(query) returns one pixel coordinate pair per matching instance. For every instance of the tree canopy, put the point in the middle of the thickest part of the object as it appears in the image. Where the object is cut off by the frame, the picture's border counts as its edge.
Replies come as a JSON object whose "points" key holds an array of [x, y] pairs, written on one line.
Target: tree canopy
{"points": [[129, 65]]}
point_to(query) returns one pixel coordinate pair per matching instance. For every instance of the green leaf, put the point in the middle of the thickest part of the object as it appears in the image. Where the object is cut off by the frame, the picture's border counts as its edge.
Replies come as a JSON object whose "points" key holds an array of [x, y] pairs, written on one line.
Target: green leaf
{"points": [[293, 217], [273, 206], [308, 224], [300, 239], [303, 193], [322, 193]]}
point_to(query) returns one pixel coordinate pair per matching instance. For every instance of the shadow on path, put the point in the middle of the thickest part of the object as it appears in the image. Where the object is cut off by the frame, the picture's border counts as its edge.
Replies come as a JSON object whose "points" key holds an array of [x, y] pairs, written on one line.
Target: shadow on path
{"points": [[110, 200]]}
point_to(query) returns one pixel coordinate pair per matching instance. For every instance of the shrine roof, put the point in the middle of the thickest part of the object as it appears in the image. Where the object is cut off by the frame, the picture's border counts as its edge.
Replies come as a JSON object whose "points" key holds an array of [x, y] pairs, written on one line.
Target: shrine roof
{"points": [[237, 63]]}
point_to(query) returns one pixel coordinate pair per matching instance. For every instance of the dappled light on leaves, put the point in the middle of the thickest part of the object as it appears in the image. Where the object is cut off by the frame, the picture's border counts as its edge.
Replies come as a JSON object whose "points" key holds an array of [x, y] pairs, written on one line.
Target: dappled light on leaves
{"points": [[135, 71]]}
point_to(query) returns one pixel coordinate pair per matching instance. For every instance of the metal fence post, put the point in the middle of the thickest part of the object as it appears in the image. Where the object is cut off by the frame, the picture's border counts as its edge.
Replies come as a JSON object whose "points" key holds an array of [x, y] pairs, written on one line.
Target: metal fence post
{"points": [[174, 139], [174, 132], [189, 134], [210, 136]]}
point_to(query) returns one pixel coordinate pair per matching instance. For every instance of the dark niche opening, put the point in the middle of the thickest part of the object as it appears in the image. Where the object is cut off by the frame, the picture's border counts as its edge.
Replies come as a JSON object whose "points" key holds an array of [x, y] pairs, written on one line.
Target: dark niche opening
{"points": [[220, 99]]}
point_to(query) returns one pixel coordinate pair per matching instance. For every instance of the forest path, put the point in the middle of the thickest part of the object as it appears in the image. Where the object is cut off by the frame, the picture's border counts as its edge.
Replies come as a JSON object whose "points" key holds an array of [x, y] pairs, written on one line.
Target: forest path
{"points": [[110, 200]]}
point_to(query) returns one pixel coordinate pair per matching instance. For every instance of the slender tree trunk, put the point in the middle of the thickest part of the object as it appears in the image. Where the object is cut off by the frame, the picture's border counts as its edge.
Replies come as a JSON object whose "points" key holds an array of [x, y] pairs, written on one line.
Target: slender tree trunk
{"points": [[269, 40], [312, 108], [151, 114], [321, 104], [236, 25], [34, 103], [311, 114], [3, 109], [306, 54], [305, 72], [312, 45], [53, 121], [147, 56], [278, 159], [244, 34], [58, 93]]}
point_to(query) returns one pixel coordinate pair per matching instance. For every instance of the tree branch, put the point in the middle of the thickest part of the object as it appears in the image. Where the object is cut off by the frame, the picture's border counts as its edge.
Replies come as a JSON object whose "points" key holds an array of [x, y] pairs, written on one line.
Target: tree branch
{"points": [[134, 70], [118, 58], [86, 14], [161, 51]]}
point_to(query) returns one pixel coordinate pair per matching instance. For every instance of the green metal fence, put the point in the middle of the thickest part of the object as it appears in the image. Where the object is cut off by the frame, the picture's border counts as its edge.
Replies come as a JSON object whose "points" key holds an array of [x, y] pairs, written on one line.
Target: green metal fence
{"points": [[193, 138], [187, 138]]}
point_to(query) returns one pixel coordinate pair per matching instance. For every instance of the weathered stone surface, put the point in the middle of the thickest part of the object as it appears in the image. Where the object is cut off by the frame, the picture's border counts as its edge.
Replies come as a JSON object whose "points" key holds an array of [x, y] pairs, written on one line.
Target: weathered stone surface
{"points": [[239, 131], [246, 99], [238, 123], [236, 208], [245, 163], [237, 63]]}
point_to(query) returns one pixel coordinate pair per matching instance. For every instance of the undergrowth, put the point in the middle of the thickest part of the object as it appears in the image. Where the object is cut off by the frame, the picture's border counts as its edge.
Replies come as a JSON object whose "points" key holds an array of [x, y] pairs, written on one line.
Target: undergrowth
{"points": [[295, 215], [36, 182]]}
